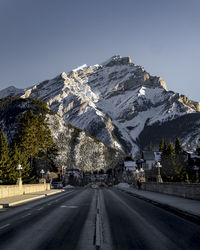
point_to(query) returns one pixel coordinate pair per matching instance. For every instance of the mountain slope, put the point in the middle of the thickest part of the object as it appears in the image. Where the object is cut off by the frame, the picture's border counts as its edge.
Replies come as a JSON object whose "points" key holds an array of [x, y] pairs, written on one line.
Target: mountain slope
{"points": [[115, 101], [77, 149]]}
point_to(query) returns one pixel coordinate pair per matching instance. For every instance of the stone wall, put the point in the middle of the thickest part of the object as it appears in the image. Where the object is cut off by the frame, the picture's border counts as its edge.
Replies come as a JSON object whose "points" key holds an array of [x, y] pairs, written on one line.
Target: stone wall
{"points": [[191, 191], [16, 190]]}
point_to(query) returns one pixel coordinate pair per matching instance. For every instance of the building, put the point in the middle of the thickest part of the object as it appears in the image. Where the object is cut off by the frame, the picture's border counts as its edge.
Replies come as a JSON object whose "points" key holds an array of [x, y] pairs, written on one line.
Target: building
{"points": [[149, 159], [130, 165]]}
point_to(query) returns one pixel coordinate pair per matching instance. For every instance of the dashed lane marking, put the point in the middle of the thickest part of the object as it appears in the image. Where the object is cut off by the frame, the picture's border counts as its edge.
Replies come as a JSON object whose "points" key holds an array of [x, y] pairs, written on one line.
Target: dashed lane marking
{"points": [[40, 208], [64, 206], [25, 215], [4, 226]]}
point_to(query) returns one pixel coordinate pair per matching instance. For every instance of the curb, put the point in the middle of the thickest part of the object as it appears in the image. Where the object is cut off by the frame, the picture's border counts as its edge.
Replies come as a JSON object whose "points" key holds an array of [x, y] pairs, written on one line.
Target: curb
{"points": [[56, 192], [186, 215], [39, 196], [6, 205]]}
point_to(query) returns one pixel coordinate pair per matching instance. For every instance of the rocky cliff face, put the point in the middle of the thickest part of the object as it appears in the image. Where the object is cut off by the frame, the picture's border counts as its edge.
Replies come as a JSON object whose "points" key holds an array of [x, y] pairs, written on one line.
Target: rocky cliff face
{"points": [[77, 149], [116, 101]]}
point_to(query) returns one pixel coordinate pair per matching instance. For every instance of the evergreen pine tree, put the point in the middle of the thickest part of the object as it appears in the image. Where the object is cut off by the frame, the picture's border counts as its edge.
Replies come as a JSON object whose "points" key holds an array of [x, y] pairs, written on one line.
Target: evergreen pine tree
{"points": [[178, 148], [170, 150], [27, 135], [17, 157], [173, 165], [162, 146], [35, 140], [5, 163]]}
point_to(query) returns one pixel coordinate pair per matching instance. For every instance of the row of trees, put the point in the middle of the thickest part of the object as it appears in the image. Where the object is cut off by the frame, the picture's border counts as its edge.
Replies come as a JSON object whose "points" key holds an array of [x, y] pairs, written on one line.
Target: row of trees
{"points": [[174, 164], [32, 147]]}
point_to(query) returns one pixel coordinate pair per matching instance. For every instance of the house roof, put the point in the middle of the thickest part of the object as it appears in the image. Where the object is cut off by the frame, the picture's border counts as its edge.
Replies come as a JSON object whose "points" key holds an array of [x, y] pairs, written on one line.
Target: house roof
{"points": [[130, 164], [132, 168]]}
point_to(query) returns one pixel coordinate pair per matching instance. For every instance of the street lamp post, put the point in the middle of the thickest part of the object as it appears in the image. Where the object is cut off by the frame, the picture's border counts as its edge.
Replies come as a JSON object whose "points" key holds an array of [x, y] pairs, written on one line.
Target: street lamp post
{"points": [[19, 179], [42, 173], [142, 174], [19, 168], [137, 173], [159, 178], [48, 174]]}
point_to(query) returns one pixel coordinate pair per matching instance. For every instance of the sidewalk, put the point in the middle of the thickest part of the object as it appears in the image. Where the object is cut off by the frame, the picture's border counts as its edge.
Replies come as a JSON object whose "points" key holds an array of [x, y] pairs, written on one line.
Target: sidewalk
{"points": [[187, 207], [16, 200]]}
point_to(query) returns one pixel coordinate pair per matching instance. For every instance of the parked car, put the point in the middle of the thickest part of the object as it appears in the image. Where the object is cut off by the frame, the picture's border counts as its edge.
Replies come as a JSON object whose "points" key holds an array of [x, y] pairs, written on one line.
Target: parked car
{"points": [[57, 185]]}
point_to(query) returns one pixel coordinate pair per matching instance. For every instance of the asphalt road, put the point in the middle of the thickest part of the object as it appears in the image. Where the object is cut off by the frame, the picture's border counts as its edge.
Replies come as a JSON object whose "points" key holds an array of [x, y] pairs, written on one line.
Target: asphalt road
{"points": [[52, 223], [68, 221], [137, 224]]}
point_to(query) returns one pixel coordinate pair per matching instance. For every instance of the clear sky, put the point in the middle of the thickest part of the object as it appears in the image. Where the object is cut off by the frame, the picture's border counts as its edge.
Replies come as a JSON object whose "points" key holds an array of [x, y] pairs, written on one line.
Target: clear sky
{"points": [[39, 39]]}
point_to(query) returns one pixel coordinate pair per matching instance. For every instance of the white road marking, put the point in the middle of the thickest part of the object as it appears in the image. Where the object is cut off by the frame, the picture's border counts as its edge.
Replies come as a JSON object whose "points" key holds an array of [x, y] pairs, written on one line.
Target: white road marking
{"points": [[49, 204], [25, 215], [40, 208], [98, 231], [4, 226], [64, 206]]}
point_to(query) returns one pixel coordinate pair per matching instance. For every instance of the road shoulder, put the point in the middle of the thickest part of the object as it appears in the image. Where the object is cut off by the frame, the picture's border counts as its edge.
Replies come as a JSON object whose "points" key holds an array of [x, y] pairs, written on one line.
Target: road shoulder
{"points": [[190, 209]]}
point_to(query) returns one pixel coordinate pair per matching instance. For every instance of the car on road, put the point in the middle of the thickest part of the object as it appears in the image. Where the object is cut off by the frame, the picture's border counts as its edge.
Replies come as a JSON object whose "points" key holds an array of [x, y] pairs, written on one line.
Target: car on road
{"points": [[102, 185], [57, 185], [94, 186]]}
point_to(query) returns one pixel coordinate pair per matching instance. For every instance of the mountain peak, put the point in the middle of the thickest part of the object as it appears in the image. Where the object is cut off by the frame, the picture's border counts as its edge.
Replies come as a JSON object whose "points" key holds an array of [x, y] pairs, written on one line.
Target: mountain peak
{"points": [[117, 60]]}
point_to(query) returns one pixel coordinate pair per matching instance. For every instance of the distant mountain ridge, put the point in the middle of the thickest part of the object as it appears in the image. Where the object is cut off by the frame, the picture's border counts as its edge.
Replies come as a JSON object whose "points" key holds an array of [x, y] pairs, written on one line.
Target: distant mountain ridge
{"points": [[119, 102]]}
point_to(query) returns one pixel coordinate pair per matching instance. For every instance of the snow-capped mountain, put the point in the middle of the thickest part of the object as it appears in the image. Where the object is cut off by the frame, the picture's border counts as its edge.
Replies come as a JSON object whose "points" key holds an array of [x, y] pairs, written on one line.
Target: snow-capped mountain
{"points": [[119, 102]]}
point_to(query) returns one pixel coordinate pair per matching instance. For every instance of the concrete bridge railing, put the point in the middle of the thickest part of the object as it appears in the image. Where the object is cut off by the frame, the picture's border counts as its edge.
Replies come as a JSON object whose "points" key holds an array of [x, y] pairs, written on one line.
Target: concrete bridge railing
{"points": [[191, 191], [20, 189]]}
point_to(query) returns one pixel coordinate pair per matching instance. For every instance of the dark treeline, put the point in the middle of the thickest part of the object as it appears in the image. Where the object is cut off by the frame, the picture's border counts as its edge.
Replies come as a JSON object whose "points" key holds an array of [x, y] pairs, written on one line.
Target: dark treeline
{"points": [[174, 162]]}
